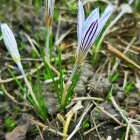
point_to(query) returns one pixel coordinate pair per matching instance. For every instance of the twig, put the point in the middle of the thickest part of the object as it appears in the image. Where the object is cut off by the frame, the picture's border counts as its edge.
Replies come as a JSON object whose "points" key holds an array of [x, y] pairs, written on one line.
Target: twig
{"points": [[48, 128], [108, 114], [97, 130], [126, 73], [130, 50], [123, 116], [13, 99], [87, 98], [128, 128], [126, 43], [39, 131], [125, 51], [90, 130], [32, 44], [121, 55], [62, 37], [51, 80], [79, 123]]}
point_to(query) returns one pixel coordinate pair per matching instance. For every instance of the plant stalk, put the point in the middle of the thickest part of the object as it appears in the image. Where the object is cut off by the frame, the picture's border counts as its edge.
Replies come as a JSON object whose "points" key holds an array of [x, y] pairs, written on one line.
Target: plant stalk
{"points": [[27, 83], [47, 46], [67, 85], [65, 127]]}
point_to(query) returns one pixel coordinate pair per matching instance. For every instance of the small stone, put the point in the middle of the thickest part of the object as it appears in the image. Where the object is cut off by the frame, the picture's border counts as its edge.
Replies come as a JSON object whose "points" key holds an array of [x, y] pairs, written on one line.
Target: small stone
{"points": [[120, 96], [51, 102], [80, 88], [101, 87], [84, 79], [133, 99], [87, 70]]}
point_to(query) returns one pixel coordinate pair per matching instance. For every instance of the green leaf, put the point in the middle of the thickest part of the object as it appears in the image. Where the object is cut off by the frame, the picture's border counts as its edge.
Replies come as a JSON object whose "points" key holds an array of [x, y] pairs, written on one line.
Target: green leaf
{"points": [[61, 73], [47, 68]]}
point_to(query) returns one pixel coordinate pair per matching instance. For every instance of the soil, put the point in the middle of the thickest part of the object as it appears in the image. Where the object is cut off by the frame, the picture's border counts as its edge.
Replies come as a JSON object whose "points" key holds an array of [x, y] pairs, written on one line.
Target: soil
{"points": [[96, 80]]}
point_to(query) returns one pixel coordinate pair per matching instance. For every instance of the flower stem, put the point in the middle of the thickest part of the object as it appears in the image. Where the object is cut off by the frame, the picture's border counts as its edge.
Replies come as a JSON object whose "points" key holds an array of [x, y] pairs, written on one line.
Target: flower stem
{"points": [[27, 82], [47, 46], [67, 85]]}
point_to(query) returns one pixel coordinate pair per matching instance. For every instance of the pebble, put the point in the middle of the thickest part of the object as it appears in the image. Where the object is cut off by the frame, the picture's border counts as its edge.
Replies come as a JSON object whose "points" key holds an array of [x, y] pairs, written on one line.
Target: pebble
{"points": [[133, 99], [120, 96], [101, 87], [87, 70], [80, 88], [51, 102]]}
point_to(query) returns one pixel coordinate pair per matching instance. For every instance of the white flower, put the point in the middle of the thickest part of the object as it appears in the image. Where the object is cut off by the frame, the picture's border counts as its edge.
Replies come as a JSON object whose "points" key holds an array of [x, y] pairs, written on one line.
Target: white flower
{"points": [[10, 42], [11, 45]]}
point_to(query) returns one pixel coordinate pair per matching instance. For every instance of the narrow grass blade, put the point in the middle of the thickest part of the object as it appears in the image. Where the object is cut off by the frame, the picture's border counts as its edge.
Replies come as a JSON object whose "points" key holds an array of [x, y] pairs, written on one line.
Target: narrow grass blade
{"points": [[61, 73], [71, 87], [51, 47], [50, 71], [21, 87]]}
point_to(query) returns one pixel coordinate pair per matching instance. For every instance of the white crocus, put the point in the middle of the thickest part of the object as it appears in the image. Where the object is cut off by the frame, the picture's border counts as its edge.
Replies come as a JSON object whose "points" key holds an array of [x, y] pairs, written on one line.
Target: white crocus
{"points": [[11, 45]]}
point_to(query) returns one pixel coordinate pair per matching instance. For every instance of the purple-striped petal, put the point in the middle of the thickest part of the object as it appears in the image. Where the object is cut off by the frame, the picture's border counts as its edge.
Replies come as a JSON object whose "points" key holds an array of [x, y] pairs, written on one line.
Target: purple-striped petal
{"points": [[89, 36], [91, 19], [102, 21], [88, 29]]}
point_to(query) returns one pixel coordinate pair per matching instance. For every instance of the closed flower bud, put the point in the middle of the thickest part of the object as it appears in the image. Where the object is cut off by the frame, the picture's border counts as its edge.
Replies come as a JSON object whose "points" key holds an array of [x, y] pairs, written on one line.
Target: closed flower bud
{"points": [[49, 12], [10, 42]]}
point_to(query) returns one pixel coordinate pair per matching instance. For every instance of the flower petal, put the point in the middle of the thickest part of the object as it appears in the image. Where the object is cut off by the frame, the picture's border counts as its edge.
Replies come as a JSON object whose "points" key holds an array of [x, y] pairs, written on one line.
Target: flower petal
{"points": [[91, 19], [10, 42], [80, 21], [130, 2], [89, 36], [102, 21], [50, 7], [104, 18], [88, 30]]}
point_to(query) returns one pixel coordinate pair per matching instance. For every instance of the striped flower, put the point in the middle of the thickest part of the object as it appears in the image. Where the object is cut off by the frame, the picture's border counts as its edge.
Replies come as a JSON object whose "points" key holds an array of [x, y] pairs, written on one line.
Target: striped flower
{"points": [[49, 12], [88, 30], [11, 45]]}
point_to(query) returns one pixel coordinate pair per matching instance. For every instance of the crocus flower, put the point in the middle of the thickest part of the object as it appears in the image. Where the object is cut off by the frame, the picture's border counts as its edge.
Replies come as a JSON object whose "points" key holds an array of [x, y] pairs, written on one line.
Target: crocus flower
{"points": [[88, 30], [11, 45], [49, 12]]}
